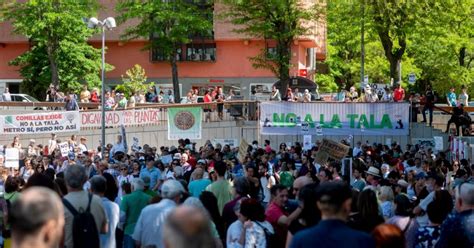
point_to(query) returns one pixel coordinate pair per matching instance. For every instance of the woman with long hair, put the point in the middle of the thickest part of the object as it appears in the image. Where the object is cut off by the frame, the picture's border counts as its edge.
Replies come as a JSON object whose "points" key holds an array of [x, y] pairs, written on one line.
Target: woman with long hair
{"points": [[210, 203], [367, 217], [309, 216], [255, 225], [403, 219]]}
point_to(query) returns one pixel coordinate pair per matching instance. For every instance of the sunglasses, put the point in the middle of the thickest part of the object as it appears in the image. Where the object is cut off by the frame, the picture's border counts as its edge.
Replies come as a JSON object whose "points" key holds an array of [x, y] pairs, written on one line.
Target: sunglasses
{"points": [[123, 169]]}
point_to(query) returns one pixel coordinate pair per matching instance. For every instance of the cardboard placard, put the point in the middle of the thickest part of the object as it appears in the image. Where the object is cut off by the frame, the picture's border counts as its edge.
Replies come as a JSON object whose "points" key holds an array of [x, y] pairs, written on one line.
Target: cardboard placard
{"points": [[12, 158], [335, 150]]}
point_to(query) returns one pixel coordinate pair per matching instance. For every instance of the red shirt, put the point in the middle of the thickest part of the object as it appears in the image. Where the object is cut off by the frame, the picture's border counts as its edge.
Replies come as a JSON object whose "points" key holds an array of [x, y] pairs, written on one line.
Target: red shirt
{"points": [[273, 213], [398, 94]]}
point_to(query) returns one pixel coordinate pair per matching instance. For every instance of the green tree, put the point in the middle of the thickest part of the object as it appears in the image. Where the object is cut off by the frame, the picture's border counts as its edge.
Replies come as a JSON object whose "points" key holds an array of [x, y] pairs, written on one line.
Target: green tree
{"points": [[393, 21], [168, 24], [59, 53], [134, 81], [279, 20]]}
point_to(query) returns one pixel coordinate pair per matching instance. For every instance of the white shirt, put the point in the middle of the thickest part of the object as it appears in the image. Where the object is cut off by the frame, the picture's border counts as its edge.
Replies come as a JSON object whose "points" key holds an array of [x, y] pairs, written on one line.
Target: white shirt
{"points": [[233, 234], [82, 147], [266, 185], [113, 213], [149, 228], [7, 97], [423, 219], [356, 151]]}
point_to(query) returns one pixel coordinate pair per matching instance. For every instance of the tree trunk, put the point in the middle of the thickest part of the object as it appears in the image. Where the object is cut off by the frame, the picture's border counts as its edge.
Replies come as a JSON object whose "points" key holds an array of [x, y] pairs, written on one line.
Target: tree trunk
{"points": [[462, 56], [174, 75], [283, 60], [393, 68], [53, 66]]}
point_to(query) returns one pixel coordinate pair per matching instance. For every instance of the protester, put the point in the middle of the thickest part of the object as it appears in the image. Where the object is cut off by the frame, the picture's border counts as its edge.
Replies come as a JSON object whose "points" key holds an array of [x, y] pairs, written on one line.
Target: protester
{"points": [[99, 188], [37, 219], [131, 208], [334, 202], [458, 230], [77, 199], [148, 230], [221, 188]]}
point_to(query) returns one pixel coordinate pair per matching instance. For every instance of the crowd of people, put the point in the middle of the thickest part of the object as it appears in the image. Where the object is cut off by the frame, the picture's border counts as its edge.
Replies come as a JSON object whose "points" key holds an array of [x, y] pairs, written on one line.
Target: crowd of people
{"points": [[219, 196]]}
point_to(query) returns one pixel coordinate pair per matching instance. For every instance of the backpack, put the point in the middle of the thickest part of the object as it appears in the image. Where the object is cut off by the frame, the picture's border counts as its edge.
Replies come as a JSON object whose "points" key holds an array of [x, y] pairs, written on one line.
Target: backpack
{"points": [[84, 229], [269, 237]]}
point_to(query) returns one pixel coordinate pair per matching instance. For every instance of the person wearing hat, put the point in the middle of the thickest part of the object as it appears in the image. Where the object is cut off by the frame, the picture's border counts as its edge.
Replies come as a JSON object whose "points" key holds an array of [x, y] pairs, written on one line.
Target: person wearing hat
{"points": [[370, 96], [152, 173], [334, 201], [373, 176], [148, 230], [401, 187]]}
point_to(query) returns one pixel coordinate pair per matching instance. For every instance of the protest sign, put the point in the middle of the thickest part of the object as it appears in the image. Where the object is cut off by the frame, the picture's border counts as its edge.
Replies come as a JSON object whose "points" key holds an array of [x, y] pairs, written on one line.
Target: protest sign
{"points": [[64, 148], [49, 122], [242, 150], [438, 140], [307, 145], [334, 149], [184, 123], [12, 158], [321, 157], [123, 117], [166, 159], [374, 119]]}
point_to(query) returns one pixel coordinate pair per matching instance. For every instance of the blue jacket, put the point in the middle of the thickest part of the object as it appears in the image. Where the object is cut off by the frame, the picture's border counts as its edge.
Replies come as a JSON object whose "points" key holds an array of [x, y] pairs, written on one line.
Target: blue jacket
{"points": [[332, 234]]}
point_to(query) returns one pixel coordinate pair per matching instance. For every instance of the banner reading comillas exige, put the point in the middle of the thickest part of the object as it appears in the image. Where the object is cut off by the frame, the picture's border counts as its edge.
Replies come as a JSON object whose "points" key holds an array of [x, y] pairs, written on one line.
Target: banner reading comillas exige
{"points": [[286, 118], [50, 122]]}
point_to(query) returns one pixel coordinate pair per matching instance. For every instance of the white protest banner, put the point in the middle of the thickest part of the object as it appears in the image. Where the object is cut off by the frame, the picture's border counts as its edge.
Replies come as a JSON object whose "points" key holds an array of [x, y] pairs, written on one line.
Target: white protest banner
{"points": [[50, 122], [438, 143], [307, 145], [64, 148], [123, 117], [12, 158], [231, 142], [374, 119]]}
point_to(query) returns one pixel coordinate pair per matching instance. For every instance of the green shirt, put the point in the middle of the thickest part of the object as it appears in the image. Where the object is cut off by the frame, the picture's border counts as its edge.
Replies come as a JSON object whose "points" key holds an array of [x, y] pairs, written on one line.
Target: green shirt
{"points": [[132, 205], [286, 179], [150, 193], [223, 192]]}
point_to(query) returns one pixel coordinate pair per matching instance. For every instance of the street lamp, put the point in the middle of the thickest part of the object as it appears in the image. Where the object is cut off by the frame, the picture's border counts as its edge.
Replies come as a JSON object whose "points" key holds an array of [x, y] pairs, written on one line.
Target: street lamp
{"points": [[108, 23]]}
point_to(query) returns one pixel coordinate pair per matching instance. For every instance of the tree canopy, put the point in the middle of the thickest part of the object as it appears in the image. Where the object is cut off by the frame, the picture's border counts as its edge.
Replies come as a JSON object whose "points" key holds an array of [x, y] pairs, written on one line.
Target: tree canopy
{"points": [[276, 20], [59, 53], [433, 39], [168, 25]]}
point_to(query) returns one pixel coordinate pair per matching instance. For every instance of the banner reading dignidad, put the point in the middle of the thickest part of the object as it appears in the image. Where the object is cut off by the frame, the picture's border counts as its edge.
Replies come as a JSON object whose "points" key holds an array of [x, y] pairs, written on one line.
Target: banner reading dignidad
{"points": [[371, 119]]}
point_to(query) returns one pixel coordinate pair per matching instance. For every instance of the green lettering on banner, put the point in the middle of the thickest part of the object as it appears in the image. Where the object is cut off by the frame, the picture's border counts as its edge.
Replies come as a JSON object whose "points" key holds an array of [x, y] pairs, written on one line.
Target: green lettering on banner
{"points": [[352, 118], [363, 121], [372, 122], [277, 120], [290, 120], [336, 121], [386, 122], [309, 119]]}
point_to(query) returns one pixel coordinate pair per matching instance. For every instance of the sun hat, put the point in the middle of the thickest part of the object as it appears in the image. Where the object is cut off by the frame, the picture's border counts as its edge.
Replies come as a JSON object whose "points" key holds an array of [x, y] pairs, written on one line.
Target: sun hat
{"points": [[373, 171]]}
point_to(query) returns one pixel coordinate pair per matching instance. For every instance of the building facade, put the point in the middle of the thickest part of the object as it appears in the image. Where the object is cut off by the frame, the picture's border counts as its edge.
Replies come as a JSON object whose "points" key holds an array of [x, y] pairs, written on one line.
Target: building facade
{"points": [[221, 60]]}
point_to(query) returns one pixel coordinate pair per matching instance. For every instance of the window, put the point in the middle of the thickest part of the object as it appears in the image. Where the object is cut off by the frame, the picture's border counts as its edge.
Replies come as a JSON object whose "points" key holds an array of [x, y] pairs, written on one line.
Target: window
{"points": [[201, 52], [158, 55], [310, 58]]}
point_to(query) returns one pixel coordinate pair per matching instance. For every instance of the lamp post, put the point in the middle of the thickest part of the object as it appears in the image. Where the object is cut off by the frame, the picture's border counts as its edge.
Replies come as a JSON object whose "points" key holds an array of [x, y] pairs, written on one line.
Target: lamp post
{"points": [[108, 23]]}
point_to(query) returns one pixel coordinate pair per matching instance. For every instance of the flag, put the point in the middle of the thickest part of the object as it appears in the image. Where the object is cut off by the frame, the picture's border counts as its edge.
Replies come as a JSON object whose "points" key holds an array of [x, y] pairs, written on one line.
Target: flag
{"points": [[184, 123]]}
